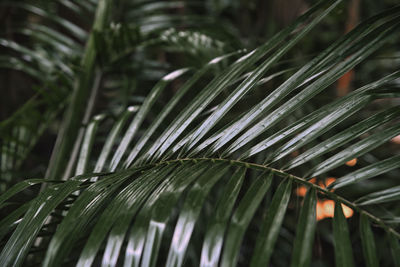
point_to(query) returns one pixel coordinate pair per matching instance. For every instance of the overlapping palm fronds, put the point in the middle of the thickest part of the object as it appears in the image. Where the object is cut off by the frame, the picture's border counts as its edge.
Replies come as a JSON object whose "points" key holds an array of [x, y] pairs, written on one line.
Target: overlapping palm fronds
{"points": [[207, 177]]}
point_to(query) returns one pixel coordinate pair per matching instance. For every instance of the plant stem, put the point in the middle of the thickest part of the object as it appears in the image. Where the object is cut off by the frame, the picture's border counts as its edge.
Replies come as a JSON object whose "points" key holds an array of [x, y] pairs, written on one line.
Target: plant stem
{"points": [[79, 99]]}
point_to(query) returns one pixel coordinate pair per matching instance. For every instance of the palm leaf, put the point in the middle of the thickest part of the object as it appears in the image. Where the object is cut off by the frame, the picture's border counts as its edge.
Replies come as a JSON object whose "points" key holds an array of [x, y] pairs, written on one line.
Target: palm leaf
{"points": [[196, 182]]}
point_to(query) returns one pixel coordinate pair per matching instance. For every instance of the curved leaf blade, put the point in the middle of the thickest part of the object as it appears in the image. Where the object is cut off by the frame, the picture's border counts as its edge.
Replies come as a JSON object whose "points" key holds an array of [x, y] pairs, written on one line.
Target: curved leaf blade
{"points": [[271, 226], [345, 136], [242, 217], [370, 171], [355, 150], [368, 242], [302, 247], [342, 243], [214, 237], [190, 212]]}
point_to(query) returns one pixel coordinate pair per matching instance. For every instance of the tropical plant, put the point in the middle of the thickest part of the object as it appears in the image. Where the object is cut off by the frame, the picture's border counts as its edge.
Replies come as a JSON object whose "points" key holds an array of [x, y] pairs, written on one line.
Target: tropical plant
{"points": [[203, 169]]}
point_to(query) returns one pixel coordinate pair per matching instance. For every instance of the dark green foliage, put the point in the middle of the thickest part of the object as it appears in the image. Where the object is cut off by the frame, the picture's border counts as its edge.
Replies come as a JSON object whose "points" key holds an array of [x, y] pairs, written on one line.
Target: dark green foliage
{"points": [[203, 129]]}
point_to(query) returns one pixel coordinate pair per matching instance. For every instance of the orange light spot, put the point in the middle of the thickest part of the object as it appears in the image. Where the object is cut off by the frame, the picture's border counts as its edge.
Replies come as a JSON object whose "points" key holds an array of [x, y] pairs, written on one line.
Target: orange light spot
{"points": [[348, 212], [301, 191], [396, 139], [329, 181], [328, 208], [344, 83], [313, 180], [320, 211], [352, 162], [325, 208]]}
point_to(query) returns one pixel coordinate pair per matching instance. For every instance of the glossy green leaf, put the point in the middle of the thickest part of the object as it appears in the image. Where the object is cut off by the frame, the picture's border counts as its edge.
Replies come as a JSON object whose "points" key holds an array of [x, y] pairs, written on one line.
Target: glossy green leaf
{"points": [[345, 136], [214, 237], [219, 134], [161, 210], [325, 124], [303, 75], [18, 245], [87, 144], [380, 36], [370, 171], [305, 231], [368, 243], [212, 133], [219, 83], [356, 150], [241, 218], [250, 82], [395, 248], [383, 196], [271, 226], [136, 237], [20, 187], [13, 219], [342, 243], [173, 102], [331, 55], [79, 215], [190, 212], [111, 138], [328, 117], [120, 210], [142, 112]]}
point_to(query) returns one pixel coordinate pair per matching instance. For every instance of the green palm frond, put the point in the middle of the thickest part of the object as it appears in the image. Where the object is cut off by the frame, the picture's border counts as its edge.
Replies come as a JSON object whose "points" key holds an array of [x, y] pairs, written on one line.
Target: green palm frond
{"points": [[206, 176]]}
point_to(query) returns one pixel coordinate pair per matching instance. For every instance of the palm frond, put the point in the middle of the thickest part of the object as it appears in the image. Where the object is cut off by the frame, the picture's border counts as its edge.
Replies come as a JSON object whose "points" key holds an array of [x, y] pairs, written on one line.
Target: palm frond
{"points": [[191, 182]]}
